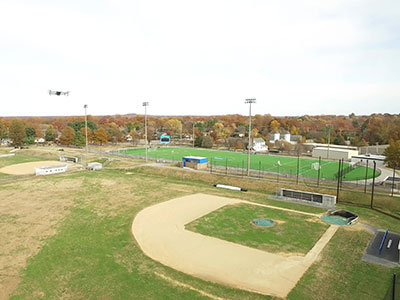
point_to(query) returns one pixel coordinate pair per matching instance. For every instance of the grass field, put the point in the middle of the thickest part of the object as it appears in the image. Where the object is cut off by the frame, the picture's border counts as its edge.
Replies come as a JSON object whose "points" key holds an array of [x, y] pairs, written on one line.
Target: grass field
{"points": [[263, 162], [232, 223], [69, 236]]}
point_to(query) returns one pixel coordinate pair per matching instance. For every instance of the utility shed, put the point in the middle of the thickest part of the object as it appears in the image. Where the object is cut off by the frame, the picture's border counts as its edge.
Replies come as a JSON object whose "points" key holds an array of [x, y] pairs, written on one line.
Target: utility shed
{"points": [[334, 153], [195, 162], [48, 170], [94, 166]]}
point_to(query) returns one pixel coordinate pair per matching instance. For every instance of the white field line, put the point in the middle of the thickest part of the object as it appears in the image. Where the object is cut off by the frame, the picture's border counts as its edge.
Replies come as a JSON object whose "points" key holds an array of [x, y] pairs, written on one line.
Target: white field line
{"points": [[284, 209], [187, 286]]}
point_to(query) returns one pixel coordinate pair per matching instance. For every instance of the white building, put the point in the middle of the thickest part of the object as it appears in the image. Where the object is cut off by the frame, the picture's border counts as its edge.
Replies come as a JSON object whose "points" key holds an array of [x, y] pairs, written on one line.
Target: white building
{"points": [[49, 170], [287, 137], [39, 140], [259, 145], [334, 153], [94, 166]]}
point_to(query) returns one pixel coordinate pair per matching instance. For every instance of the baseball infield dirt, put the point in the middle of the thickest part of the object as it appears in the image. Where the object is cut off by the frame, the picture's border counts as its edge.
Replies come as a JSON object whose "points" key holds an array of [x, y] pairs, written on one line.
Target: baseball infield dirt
{"points": [[160, 232], [29, 167]]}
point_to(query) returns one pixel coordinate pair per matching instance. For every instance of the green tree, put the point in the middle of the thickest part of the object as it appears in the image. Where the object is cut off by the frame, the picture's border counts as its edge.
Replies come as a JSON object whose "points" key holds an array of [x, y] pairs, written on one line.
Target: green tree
{"points": [[67, 136], [30, 134], [79, 139], [198, 141], [392, 154], [17, 132], [50, 134]]}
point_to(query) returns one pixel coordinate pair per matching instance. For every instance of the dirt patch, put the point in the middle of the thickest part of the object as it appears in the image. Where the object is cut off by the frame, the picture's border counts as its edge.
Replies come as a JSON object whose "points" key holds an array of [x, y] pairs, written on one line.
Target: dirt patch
{"points": [[25, 221], [29, 167]]}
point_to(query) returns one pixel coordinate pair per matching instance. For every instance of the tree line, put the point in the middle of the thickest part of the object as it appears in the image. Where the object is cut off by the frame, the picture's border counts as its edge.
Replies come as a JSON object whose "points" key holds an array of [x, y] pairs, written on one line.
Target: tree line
{"points": [[229, 130]]}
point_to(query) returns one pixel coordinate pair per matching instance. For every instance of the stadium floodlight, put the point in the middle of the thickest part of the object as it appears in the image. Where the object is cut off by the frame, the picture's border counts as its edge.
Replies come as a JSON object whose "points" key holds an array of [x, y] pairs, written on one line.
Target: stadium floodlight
{"points": [[145, 104], [249, 101], [86, 132]]}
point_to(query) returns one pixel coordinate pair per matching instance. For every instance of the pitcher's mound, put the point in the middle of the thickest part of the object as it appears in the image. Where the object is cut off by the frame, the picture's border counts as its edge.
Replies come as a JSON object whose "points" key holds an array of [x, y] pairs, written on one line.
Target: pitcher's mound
{"points": [[29, 167]]}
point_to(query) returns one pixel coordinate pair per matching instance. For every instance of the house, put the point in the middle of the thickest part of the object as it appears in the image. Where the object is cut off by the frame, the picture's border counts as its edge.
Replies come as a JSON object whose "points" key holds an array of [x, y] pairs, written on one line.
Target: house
{"points": [[287, 137], [39, 140], [259, 145], [128, 138]]}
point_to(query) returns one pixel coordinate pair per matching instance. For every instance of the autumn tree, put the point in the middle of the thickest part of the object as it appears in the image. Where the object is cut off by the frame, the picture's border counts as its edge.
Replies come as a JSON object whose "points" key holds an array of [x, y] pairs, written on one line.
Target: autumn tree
{"points": [[207, 142], [174, 125], [392, 154], [274, 126], [67, 136], [16, 132], [3, 129], [101, 136], [221, 132]]}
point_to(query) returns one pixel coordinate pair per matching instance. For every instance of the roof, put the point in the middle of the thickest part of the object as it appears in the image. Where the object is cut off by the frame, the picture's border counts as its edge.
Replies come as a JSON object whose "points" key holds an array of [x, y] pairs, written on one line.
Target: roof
{"points": [[390, 178], [371, 157], [94, 164], [334, 149], [194, 157], [259, 140], [51, 167]]}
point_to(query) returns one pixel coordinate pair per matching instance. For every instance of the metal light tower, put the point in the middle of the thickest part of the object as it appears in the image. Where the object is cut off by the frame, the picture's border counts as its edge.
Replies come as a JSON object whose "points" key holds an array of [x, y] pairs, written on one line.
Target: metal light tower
{"points": [[249, 101], [145, 104], [86, 132]]}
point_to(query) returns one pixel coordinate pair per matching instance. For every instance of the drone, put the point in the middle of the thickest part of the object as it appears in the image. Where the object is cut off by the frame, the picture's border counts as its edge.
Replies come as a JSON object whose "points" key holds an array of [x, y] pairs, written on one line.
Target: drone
{"points": [[58, 93]]}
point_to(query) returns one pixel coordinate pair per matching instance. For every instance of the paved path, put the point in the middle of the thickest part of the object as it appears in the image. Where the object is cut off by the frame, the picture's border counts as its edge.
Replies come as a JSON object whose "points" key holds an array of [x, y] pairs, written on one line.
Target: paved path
{"points": [[160, 232]]}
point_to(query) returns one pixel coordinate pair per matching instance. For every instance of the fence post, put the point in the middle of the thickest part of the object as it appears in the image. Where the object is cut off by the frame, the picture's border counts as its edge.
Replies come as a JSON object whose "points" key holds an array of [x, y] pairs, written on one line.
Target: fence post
{"points": [[366, 177], [298, 163], [319, 170], [338, 183], [226, 167], [341, 174], [373, 186], [242, 167], [394, 174], [394, 287]]}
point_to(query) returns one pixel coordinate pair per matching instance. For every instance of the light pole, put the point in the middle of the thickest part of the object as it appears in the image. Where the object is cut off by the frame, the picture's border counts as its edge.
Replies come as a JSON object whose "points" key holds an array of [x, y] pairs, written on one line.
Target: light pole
{"points": [[145, 104], [85, 107], [249, 101]]}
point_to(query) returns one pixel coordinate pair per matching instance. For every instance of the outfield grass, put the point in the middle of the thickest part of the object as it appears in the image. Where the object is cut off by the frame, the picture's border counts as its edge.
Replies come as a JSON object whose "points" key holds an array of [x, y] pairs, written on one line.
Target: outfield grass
{"points": [[263, 162], [93, 255], [232, 223], [341, 274], [17, 159]]}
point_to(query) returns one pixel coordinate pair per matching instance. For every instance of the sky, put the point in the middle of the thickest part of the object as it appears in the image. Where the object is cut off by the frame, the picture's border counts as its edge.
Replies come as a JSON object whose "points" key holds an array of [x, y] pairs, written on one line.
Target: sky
{"points": [[204, 57]]}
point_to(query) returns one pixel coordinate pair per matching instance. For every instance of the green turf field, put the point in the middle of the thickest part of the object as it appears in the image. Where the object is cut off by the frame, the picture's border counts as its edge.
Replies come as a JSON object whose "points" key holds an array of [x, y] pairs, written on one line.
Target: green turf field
{"points": [[232, 223], [262, 162]]}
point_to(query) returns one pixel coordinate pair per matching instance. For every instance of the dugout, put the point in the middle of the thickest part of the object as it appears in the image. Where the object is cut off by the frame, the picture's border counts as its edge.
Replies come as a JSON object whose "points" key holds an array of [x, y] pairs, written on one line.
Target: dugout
{"points": [[308, 198], [195, 162], [48, 170]]}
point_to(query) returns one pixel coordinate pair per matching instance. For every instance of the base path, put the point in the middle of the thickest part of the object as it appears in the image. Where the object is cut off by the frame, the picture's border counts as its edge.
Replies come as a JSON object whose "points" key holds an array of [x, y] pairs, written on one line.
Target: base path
{"points": [[29, 167], [160, 232]]}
